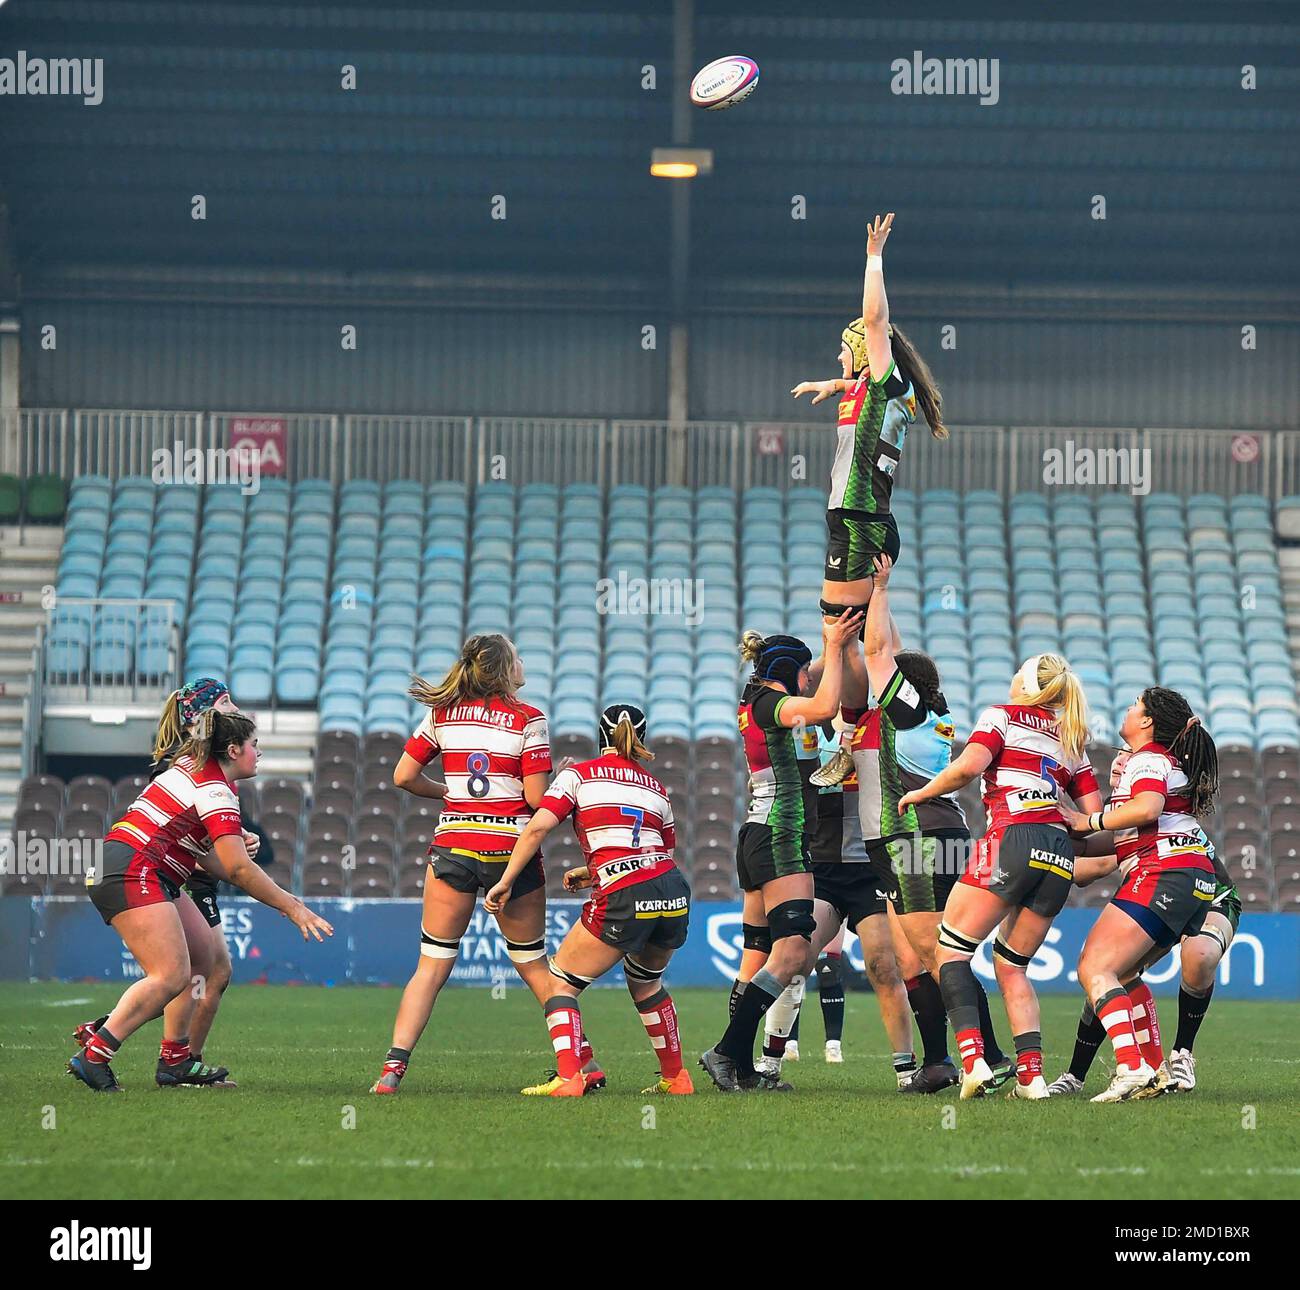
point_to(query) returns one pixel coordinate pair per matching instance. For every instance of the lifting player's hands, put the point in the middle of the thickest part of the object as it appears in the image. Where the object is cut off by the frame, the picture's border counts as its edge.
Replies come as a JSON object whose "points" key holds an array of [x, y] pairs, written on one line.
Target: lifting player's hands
{"points": [[878, 233], [308, 923], [578, 879], [495, 901], [818, 389], [884, 567], [838, 632]]}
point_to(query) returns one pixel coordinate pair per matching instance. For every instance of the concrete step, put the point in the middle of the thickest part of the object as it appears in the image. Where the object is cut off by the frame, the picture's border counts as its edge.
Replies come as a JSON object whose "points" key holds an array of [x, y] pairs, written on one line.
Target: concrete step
{"points": [[11, 736], [288, 765], [16, 576], [11, 709], [15, 685], [34, 537], [24, 618]]}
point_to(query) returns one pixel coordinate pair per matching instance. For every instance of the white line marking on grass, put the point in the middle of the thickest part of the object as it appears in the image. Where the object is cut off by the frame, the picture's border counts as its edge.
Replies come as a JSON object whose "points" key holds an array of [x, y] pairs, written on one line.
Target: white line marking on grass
{"points": [[66, 1003]]}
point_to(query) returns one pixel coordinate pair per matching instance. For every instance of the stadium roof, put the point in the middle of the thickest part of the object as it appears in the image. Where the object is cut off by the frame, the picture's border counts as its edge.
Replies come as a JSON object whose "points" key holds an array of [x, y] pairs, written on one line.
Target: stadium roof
{"points": [[392, 183]]}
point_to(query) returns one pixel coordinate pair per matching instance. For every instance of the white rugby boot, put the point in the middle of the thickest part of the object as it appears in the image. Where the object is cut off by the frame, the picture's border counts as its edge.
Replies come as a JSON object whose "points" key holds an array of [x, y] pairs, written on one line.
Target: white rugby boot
{"points": [[1126, 1083], [1182, 1071], [1064, 1085], [1034, 1091], [973, 1081], [834, 1052]]}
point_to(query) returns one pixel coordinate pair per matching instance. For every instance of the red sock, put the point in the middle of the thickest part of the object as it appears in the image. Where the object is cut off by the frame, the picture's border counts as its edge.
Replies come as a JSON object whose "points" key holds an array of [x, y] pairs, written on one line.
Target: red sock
{"points": [[1113, 1011], [1146, 1025], [660, 1020], [1029, 1066], [970, 1044], [101, 1048], [774, 1045], [586, 1053], [173, 1051], [564, 1019]]}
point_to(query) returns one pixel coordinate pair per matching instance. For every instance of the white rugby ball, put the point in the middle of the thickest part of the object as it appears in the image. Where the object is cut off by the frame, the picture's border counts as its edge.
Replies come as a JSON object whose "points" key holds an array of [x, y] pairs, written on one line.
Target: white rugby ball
{"points": [[724, 82]]}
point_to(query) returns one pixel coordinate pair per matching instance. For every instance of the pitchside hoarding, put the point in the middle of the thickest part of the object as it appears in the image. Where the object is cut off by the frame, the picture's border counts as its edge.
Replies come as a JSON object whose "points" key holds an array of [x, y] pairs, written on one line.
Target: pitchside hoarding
{"points": [[376, 942]]}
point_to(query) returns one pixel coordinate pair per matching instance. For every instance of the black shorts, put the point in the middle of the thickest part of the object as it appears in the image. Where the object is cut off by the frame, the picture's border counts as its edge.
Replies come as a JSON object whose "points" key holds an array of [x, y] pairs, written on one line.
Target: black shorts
{"points": [[202, 888], [1030, 866], [655, 912], [468, 872], [856, 538], [122, 880], [919, 871], [853, 890], [762, 856]]}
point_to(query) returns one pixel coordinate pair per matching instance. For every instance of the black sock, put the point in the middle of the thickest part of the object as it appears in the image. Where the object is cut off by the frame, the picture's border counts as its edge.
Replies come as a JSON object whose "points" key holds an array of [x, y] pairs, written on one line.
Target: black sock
{"points": [[1092, 1034], [402, 1055], [738, 1040], [931, 1020], [993, 1053], [959, 988], [794, 1030], [1191, 1012], [737, 989], [830, 985]]}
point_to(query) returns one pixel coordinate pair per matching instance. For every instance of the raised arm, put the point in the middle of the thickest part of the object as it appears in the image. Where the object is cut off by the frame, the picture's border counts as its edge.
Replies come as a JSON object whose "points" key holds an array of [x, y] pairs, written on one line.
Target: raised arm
{"points": [[878, 641], [825, 703], [875, 304]]}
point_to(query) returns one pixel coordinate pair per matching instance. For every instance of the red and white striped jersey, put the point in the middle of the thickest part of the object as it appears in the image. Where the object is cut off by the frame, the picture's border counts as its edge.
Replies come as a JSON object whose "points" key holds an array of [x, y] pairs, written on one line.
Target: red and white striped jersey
{"points": [[178, 817], [622, 816], [1029, 767], [1174, 840], [487, 747]]}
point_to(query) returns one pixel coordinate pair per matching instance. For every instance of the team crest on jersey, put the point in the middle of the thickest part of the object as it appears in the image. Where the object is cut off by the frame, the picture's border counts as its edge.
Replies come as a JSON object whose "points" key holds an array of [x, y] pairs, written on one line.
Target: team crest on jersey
{"points": [[945, 729], [886, 465]]}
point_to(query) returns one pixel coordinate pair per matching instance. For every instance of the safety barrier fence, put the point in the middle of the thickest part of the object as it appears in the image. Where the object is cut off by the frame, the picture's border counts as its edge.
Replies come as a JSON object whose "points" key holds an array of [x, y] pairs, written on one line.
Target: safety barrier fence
{"points": [[1006, 459]]}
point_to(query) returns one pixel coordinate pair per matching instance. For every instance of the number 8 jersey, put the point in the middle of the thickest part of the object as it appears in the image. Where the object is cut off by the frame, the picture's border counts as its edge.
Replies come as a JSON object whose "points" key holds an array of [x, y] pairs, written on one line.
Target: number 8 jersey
{"points": [[487, 747]]}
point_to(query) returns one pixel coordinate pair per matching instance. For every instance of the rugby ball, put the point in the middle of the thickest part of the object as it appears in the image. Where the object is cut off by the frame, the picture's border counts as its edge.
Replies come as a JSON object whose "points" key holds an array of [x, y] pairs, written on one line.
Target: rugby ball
{"points": [[724, 82]]}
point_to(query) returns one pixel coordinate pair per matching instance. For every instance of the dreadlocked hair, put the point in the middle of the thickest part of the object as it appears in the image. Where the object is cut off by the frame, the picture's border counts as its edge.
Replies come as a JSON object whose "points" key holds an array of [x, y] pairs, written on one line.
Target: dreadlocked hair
{"points": [[170, 731], [484, 670], [921, 672], [212, 734], [917, 370], [1177, 727]]}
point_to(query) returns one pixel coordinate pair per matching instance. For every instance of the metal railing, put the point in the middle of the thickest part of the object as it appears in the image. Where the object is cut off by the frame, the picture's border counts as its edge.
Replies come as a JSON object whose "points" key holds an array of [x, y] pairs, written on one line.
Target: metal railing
{"points": [[652, 453], [34, 705], [111, 651]]}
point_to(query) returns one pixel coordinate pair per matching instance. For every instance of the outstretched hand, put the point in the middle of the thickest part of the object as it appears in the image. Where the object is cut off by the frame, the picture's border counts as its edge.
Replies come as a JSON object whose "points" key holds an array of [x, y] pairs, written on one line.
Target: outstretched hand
{"points": [[878, 233]]}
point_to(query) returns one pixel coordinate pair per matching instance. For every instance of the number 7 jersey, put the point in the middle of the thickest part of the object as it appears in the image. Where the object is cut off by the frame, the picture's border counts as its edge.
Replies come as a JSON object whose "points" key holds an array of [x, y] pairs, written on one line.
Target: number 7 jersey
{"points": [[622, 816], [487, 747]]}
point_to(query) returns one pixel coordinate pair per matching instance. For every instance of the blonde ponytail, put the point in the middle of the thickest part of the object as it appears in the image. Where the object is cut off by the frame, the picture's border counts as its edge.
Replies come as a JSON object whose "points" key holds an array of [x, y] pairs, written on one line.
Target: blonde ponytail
{"points": [[627, 745], [1061, 690], [485, 670], [169, 727], [751, 646], [212, 733]]}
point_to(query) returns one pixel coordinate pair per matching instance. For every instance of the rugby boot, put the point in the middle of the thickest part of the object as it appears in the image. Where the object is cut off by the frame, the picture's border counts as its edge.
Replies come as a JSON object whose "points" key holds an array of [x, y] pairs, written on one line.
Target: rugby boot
{"points": [[96, 1076]]}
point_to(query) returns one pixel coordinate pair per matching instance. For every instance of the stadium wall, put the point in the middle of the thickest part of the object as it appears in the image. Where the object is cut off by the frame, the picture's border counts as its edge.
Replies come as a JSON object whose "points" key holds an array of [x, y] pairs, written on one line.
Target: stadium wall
{"points": [[118, 354], [375, 942]]}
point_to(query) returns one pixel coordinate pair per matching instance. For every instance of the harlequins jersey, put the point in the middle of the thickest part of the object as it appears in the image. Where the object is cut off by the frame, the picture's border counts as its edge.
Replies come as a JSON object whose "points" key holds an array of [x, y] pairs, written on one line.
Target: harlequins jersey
{"points": [[900, 745], [781, 762], [873, 421]]}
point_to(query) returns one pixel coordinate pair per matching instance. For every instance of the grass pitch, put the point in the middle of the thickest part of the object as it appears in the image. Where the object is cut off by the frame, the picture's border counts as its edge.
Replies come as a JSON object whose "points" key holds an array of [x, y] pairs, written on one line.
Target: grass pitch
{"points": [[305, 1056]]}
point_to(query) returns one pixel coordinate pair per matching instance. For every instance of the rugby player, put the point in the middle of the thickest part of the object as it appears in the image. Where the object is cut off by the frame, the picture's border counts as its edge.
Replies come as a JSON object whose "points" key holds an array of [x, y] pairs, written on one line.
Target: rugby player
{"points": [[640, 904], [189, 815], [1028, 750]]}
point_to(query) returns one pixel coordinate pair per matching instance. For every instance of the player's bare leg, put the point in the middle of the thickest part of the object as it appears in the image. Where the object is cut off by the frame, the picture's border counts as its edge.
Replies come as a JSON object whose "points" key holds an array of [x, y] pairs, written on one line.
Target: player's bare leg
{"points": [[886, 979], [176, 1062], [156, 938], [1022, 932], [218, 978], [1115, 946], [969, 916], [444, 918]]}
